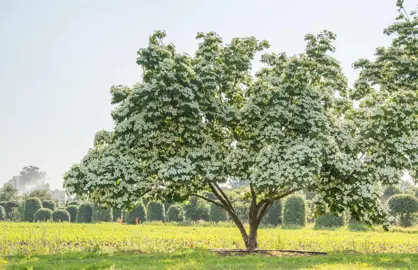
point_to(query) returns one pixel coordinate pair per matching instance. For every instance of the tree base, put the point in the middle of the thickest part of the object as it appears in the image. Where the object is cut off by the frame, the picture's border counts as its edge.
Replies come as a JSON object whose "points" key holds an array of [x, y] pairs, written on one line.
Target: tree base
{"points": [[270, 252]]}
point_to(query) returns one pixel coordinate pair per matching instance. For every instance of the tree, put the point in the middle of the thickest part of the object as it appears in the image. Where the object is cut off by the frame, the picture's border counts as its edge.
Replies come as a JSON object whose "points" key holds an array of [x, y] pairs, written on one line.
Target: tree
{"points": [[294, 211], [31, 205], [155, 211], [29, 178], [42, 194], [196, 210], [195, 122], [101, 214], [8, 193], [175, 213], [404, 206], [217, 213]]}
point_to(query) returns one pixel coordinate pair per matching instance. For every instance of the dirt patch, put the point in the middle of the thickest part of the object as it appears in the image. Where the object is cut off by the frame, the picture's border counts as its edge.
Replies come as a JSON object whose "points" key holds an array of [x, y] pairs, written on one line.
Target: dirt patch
{"points": [[275, 252]]}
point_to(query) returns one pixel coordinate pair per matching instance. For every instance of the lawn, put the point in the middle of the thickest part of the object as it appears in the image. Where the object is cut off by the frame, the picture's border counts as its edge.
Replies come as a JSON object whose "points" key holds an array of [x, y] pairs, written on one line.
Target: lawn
{"points": [[167, 246]]}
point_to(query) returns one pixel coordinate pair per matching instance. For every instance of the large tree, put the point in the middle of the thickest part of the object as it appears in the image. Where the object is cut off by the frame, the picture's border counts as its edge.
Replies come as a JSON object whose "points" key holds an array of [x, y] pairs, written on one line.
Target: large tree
{"points": [[196, 122], [29, 178]]}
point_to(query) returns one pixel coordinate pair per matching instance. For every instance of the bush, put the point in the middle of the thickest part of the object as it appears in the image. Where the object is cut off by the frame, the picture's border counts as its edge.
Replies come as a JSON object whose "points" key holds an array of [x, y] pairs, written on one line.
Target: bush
{"points": [[31, 205], [404, 206], [328, 221], [2, 213], [84, 213], [101, 214], [391, 190], [61, 215], [117, 213], [175, 213], [48, 204], [11, 209], [217, 213], [155, 211], [294, 211], [242, 210], [355, 225], [274, 215], [43, 214], [138, 212], [72, 210], [73, 203], [196, 209]]}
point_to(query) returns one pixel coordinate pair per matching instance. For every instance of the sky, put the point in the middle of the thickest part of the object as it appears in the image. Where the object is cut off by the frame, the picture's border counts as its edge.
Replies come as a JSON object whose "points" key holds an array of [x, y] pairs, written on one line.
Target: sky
{"points": [[58, 59]]}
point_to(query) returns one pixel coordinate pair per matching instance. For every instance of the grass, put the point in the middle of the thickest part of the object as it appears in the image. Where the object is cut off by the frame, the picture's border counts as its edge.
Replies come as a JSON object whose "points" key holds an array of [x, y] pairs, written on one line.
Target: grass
{"points": [[47, 238], [199, 259]]}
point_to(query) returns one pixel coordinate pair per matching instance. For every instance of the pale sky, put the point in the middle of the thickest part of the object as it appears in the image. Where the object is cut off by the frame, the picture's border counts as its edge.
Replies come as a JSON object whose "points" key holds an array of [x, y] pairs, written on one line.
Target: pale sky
{"points": [[58, 59]]}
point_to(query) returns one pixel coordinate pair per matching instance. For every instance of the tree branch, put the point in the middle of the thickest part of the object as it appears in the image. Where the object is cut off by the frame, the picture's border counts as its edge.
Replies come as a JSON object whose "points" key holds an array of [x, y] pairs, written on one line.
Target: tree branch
{"points": [[224, 196], [209, 200]]}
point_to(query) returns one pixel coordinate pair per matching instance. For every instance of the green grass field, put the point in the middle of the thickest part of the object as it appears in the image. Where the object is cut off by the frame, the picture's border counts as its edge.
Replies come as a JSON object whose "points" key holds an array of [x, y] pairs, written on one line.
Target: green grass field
{"points": [[159, 246]]}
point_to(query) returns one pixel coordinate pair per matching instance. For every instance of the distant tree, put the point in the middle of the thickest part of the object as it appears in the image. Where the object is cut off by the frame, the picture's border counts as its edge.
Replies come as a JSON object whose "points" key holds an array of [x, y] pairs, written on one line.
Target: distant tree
{"points": [[196, 209], [11, 209], [29, 178], [42, 194], [294, 211], [217, 214], [155, 211], [101, 214], [405, 207], [31, 205], [175, 213], [8, 193], [274, 215]]}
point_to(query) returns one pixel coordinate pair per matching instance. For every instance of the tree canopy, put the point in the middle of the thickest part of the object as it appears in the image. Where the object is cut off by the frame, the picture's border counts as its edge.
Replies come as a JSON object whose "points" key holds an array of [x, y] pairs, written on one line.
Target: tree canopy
{"points": [[197, 121]]}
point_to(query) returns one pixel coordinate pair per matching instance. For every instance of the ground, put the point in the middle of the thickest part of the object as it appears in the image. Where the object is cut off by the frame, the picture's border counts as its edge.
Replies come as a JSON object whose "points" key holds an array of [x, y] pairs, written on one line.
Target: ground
{"points": [[159, 246]]}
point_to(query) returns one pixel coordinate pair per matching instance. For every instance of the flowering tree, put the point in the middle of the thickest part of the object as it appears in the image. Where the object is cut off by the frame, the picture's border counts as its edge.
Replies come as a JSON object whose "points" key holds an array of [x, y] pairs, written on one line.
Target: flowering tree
{"points": [[195, 122]]}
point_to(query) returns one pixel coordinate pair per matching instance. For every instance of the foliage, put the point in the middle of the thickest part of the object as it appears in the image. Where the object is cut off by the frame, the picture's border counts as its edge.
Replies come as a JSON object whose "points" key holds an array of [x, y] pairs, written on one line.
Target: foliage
{"points": [[294, 211], [101, 214], [8, 193], [196, 121], [11, 209], [72, 210], [329, 221], [138, 212], [84, 213], [42, 194], [391, 190], [155, 211], [73, 203], [30, 177], [358, 226], [404, 206], [217, 213], [48, 204], [31, 205], [175, 213], [117, 213], [274, 215], [61, 215], [2, 213], [43, 214], [196, 209]]}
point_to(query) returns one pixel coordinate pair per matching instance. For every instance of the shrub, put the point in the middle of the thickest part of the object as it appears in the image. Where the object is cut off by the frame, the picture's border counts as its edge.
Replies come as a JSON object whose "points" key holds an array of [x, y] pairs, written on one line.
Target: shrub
{"points": [[155, 211], [404, 206], [196, 209], [84, 213], [61, 215], [101, 214], [31, 205], [175, 213], [72, 210], [43, 214], [11, 210], [391, 190], [138, 212], [2, 213], [48, 204], [355, 225], [294, 211], [117, 213], [217, 213], [329, 220], [73, 203], [274, 215]]}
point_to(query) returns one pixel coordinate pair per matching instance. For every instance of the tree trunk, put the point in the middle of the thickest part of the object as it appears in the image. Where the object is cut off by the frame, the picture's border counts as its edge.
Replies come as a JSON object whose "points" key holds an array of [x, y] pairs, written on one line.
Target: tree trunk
{"points": [[251, 243]]}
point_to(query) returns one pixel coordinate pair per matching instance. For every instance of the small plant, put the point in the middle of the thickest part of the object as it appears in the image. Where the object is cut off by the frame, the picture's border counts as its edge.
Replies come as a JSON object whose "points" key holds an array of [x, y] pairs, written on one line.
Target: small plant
{"points": [[84, 213], [138, 213], [72, 210], [31, 205], [155, 211], [175, 213], [43, 214]]}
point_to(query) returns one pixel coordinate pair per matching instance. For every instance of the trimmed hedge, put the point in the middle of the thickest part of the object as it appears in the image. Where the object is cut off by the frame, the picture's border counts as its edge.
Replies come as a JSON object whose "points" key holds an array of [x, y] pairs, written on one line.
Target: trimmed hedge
{"points": [[84, 213], [329, 221], [175, 213], [61, 215], [117, 213], [72, 210], [404, 206], [2, 213], [155, 211], [294, 211], [73, 203], [31, 205], [43, 214], [217, 213], [49, 204], [274, 215], [138, 212], [196, 209], [101, 214], [357, 226], [391, 190]]}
